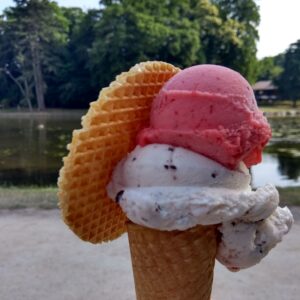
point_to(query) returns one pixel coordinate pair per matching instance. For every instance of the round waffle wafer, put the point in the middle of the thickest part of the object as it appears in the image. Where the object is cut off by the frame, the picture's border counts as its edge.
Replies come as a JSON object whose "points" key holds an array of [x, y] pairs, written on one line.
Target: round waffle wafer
{"points": [[108, 133]]}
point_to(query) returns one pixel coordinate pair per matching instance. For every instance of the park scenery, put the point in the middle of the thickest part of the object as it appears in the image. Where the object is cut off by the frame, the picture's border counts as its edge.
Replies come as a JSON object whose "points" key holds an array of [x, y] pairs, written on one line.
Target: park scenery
{"points": [[54, 60]]}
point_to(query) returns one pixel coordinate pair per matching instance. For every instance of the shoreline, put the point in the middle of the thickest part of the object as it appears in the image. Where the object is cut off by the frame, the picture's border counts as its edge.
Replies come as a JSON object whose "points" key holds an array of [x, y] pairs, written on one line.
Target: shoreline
{"points": [[15, 198], [269, 111], [51, 112]]}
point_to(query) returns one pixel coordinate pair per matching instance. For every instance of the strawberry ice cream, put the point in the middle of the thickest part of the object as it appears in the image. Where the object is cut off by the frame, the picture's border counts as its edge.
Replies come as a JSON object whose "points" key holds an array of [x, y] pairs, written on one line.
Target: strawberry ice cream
{"points": [[210, 110]]}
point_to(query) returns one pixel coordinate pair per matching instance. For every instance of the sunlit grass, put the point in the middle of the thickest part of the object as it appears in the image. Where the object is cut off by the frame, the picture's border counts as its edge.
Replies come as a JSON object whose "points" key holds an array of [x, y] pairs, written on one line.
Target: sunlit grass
{"points": [[289, 196], [28, 197], [25, 113], [46, 197], [281, 108], [285, 128]]}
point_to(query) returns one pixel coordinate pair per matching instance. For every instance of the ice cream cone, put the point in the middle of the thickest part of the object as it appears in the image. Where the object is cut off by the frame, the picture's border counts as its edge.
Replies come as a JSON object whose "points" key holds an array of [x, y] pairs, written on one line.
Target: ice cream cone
{"points": [[175, 265]]}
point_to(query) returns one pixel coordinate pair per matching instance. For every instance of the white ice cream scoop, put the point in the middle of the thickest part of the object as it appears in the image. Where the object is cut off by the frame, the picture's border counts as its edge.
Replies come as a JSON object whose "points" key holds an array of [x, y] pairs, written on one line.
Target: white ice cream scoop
{"points": [[172, 188]]}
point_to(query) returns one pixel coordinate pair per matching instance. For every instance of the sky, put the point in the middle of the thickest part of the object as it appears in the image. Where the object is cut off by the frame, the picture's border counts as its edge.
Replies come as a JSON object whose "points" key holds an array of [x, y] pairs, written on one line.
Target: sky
{"points": [[279, 26], [277, 29]]}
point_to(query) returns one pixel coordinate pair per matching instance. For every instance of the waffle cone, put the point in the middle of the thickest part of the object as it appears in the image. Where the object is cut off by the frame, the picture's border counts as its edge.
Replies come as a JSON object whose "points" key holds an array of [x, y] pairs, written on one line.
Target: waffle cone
{"points": [[108, 133], [175, 265]]}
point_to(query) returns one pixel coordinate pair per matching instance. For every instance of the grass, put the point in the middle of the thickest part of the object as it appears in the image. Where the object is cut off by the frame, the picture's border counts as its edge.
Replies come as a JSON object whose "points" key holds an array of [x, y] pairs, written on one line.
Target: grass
{"points": [[289, 196], [277, 109], [279, 105], [46, 197], [48, 113], [28, 197], [280, 108]]}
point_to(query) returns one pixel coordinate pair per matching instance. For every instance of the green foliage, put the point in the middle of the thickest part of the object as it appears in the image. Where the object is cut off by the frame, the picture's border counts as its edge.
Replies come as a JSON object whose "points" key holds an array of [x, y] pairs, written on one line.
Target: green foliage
{"points": [[73, 81], [289, 196], [289, 80], [32, 28], [132, 31], [238, 35], [269, 68], [28, 197], [9, 94], [71, 54]]}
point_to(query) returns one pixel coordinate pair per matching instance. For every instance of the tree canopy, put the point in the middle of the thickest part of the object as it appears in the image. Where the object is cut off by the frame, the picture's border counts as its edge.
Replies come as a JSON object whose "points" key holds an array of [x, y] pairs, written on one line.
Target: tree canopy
{"points": [[131, 31], [269, 68], [289, 80], [61, 57], [33, 27], [231, 37]]}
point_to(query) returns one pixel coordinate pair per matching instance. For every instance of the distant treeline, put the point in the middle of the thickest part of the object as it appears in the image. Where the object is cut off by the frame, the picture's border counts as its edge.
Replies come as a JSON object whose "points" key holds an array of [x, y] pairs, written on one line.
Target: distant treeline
{"points": [[53, 56]]}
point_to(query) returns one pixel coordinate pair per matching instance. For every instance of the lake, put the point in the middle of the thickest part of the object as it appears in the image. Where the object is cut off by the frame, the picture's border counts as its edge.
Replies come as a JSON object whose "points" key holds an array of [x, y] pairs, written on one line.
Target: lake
{"points": [[32, 147]]}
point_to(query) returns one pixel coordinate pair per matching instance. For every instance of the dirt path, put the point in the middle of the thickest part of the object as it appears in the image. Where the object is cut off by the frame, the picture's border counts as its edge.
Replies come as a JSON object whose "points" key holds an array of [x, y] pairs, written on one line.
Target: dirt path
{"points": [[41, 259]]}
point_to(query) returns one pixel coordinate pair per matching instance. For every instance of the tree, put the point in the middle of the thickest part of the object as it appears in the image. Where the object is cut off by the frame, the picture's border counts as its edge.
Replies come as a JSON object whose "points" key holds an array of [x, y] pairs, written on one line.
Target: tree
{"points": [[34, 26], [233, 36], [289, 80], [12, 83], [22, 84], [269, 68], [129, 31], [75, 53], [71, 86]]}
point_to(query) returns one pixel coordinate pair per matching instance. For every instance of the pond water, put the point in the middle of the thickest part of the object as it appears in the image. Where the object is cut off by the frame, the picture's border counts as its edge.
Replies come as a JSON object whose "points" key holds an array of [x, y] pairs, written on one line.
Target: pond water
{"points": [[278, 170], [32, 147]]}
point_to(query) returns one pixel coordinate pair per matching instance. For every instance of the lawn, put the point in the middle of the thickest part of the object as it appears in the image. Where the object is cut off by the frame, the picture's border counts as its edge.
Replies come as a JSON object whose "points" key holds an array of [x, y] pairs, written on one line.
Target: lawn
{"points": [[28, 197], [280, 109], [46, 198]]}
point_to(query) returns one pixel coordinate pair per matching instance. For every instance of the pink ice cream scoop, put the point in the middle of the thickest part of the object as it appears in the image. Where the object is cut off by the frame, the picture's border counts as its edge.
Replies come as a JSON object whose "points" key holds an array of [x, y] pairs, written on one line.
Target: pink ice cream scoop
{"points": [[210, 110]]}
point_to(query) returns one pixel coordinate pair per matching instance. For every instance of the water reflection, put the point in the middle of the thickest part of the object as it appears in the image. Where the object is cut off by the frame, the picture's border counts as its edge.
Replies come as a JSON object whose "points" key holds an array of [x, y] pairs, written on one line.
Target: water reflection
{"points": [[289, 167], [277, 169], [32, 146]]}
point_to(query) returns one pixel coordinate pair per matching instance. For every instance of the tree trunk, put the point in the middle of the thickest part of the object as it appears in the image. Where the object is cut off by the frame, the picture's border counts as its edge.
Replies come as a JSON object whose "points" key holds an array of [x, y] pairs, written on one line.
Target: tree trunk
{"points": [[27, 97], [24, 91], [38, 77]]}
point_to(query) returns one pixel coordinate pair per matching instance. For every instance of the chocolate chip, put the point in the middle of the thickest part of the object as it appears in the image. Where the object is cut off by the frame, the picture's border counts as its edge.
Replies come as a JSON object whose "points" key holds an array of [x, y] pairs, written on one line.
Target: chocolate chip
{"points": [[166, 167], [144, 219], [134, 159], [157, 207], [171, 149], [233, 223], [119, 196], [173, 167], [213, 175]]}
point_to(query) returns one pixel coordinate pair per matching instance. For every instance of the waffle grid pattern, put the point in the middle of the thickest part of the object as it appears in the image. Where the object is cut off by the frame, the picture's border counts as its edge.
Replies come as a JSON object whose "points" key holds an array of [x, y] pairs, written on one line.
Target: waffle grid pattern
{"points": [[108, 133], [173, 264]]}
